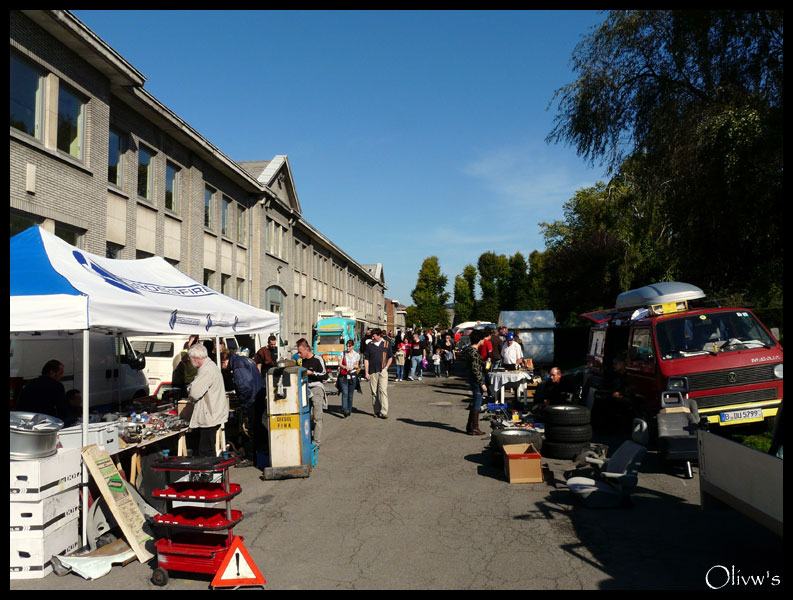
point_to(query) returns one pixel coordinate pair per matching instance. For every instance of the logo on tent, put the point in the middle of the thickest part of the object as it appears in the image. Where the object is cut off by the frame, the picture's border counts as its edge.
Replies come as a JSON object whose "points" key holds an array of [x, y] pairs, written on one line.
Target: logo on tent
{"points": [[136, 287], [183, 320], [94, 268]]}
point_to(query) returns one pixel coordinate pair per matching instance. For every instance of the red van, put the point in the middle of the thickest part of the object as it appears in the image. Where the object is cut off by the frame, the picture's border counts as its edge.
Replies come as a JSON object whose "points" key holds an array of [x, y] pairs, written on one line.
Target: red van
{"points": [[724, 358]]}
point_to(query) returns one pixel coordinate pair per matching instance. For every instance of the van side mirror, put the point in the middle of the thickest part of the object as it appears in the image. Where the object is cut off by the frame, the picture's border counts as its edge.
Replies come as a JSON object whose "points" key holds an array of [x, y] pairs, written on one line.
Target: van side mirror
{"points": [[284, 343], [137, 362]]}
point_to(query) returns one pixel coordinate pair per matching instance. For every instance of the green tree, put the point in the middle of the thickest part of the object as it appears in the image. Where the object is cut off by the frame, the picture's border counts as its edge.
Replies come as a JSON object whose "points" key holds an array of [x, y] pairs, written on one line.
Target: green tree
{"points": [[463, 300], [430, 296], [493, 271], [518, 284], [686, 107]]}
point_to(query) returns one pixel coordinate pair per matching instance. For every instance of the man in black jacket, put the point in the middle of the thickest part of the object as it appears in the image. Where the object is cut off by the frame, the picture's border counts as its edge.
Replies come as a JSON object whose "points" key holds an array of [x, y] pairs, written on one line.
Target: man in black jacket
{"points": [[317, 373], [46, 394]]}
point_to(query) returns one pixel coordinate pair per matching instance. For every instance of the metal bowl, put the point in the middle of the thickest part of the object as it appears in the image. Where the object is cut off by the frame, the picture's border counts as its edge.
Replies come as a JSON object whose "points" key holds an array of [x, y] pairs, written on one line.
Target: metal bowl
{"points": [[33, 435]]}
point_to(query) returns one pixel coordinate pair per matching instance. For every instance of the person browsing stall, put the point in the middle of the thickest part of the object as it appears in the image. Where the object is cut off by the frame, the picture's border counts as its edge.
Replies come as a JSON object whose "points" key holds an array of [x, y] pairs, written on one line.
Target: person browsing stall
{"points": [[208, 394]]}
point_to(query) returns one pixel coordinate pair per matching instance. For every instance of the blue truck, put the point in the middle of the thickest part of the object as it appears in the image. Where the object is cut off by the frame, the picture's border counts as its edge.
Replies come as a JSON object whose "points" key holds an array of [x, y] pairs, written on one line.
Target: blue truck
{"points": [[332, 335]]}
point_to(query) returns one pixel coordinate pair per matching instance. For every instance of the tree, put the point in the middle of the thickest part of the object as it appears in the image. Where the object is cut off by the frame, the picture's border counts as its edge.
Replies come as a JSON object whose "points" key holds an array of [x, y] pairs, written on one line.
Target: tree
{"points": [[493, 271], [518, 286], [430, 296], [463, 300], [687, 107]]}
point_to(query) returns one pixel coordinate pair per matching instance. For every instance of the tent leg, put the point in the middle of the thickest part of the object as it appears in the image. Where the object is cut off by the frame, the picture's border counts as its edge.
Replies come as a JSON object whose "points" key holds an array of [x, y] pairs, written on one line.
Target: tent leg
{"points": [[86, 402]]}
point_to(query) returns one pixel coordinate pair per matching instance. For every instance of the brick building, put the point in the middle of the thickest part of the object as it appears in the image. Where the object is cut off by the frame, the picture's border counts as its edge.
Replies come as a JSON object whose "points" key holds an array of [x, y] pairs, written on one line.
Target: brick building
{"points": [[100, 162]]}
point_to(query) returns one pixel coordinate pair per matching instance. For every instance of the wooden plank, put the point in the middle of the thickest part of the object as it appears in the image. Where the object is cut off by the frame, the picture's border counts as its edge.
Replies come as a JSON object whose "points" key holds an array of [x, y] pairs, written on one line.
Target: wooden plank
{"points": [[121, 503]]}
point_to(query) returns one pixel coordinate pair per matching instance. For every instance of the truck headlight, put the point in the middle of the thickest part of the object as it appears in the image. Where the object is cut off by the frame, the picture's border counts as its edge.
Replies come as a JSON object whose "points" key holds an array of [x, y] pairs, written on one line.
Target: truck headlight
{"points": [[677, 384], [778, 371]]}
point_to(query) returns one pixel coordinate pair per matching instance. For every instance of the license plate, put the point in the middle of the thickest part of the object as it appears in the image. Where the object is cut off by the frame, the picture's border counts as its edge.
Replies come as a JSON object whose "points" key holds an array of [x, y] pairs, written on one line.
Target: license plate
{"points": [[741, 416], [284, 422]]}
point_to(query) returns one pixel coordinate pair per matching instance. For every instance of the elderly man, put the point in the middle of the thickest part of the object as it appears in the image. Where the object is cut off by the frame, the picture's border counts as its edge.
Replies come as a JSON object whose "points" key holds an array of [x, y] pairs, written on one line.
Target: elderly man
{"points": [[207, 392]]}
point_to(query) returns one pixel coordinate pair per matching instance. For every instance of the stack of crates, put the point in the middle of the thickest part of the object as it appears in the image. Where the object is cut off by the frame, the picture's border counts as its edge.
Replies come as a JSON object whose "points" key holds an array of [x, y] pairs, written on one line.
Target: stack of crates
{"points": [[45, 505]]}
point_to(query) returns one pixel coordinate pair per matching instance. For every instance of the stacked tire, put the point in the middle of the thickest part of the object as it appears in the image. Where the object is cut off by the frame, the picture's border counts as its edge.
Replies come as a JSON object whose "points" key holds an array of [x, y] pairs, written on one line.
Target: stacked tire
{"points": [[568, 430]]}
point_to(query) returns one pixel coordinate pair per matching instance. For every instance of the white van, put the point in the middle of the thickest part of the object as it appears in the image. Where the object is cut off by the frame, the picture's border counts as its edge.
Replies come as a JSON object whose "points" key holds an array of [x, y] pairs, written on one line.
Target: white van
{"points": [[115, 373], [162, 354]]}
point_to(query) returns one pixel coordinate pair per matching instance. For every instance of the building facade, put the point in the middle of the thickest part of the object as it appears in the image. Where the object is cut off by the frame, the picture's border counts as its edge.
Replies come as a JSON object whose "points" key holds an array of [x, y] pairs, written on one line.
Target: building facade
{"points": [[100, 162]]}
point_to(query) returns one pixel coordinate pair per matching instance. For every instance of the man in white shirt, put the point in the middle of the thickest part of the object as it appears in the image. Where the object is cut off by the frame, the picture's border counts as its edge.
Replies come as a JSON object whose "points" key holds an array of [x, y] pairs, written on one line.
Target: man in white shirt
{"points": [[511, 352]]}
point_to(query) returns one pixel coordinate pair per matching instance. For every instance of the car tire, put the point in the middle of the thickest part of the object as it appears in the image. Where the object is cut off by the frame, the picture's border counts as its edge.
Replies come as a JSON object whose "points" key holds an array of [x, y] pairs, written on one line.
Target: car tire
{"points": [[513, 436], [566, 414], [568, 433], [563, 450]]}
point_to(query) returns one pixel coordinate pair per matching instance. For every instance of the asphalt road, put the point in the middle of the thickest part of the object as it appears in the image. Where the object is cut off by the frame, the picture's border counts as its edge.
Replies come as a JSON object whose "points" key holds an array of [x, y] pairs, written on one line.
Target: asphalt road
{"points": [[412, 502]]}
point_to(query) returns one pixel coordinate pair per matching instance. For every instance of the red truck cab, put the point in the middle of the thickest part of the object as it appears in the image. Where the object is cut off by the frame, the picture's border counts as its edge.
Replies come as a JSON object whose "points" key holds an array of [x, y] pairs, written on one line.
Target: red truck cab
{"points": [[722, 357]]}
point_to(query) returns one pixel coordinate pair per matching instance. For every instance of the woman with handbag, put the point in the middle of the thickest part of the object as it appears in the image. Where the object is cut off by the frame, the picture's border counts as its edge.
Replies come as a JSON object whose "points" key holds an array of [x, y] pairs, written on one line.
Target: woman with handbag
{"points": [[348, 377]]}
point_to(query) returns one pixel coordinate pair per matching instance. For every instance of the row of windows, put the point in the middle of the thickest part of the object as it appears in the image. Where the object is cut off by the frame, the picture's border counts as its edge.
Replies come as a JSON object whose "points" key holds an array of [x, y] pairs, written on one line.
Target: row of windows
{"points": [[27, 108]]}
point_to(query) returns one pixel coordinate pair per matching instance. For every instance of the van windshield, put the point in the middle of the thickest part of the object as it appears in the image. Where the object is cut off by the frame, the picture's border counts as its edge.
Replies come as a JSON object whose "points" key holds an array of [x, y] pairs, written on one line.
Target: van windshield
{"points": [[329, 339], [710, 333]]}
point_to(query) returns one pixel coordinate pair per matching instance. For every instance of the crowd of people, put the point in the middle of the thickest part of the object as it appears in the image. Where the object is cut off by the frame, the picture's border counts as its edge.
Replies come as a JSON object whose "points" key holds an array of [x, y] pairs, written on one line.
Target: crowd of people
{"points": [[412, 352]]}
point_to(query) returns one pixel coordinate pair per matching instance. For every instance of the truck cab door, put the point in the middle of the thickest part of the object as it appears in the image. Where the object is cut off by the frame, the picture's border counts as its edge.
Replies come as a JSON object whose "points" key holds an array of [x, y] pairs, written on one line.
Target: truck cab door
{"points": [[642, 368]]}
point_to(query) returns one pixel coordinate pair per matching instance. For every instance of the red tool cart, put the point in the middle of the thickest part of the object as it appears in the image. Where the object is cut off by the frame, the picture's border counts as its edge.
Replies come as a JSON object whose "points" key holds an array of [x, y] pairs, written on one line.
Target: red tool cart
{"points": [[193, 543]]}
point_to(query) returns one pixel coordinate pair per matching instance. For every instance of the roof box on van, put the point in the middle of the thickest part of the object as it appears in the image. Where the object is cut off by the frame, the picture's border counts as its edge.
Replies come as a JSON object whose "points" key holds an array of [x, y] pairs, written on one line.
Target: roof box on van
{"points": [[659, 293]]}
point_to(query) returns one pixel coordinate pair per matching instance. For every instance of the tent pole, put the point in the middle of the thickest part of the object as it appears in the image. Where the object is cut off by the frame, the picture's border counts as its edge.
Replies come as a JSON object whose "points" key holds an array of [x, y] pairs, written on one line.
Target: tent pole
{"points": [[86, 402]]}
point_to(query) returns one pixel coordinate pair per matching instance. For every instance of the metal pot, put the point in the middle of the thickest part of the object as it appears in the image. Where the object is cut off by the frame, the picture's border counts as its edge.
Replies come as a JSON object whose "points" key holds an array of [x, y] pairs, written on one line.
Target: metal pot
{"points": [[33, 435]]}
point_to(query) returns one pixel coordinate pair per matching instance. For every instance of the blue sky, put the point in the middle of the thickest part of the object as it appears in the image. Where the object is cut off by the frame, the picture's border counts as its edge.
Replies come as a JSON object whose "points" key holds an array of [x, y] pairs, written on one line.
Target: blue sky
{"points": [[410, 134]]}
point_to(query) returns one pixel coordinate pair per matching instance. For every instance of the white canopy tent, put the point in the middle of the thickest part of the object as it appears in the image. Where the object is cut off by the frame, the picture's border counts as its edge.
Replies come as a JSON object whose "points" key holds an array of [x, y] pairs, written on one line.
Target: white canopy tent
{"points": [[58, 287]]}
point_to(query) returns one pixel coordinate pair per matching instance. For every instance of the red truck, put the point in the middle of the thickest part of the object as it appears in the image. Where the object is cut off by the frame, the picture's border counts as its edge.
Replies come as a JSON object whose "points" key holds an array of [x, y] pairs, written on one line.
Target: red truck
{"points": [[724, 358]]}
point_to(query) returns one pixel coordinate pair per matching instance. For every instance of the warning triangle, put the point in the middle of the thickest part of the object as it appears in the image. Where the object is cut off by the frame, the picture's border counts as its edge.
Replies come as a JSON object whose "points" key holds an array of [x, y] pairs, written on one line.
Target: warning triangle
{"points": [[237, 568]]}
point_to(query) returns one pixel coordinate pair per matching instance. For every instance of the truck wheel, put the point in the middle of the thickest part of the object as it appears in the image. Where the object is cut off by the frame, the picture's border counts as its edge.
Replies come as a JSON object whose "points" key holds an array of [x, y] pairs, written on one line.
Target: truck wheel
{"points": [[568, 433], [566, 414], [563, 450]]}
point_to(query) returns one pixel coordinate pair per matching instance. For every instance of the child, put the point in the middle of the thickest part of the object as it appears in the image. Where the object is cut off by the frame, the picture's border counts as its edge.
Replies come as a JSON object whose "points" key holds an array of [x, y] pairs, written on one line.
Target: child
{"points": [[436, 362], [400, 363]]}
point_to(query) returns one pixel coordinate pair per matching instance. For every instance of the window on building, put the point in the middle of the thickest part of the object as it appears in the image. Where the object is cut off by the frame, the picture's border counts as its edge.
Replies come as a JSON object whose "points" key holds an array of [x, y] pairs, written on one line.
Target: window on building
{"points": [[69, 234], [241, 289], [71, 122], [112, 250], [139, 254], [209, 278], [115, 157], [145, 167], [209, 207], [225, 284], [27, 85], [21, 221], [171, 187], [242, 231], [225, 216]]}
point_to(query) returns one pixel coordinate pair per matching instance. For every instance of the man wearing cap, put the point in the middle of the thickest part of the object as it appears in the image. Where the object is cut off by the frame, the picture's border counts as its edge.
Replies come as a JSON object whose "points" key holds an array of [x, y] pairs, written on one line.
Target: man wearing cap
{"points": [[511, 353]]}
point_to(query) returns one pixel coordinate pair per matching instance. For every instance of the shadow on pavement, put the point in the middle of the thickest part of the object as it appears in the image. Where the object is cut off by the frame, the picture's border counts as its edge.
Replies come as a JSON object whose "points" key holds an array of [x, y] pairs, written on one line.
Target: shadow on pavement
{"points": [[433, 424]]}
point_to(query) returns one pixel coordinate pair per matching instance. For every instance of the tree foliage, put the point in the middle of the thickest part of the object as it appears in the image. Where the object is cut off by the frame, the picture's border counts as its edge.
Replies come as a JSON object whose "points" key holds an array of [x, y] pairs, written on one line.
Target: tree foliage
{"points": [[685, 109], [430, 296], [463, 300]]}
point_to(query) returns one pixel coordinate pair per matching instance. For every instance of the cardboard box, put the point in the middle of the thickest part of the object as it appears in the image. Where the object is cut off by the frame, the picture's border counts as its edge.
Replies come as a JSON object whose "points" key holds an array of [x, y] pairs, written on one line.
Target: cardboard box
{"points": [[33, 480], [522, 463], [31, 558], [38, 519]]}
